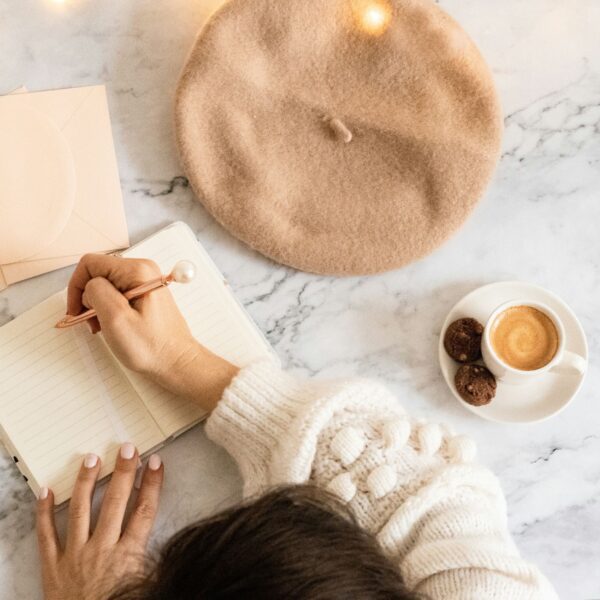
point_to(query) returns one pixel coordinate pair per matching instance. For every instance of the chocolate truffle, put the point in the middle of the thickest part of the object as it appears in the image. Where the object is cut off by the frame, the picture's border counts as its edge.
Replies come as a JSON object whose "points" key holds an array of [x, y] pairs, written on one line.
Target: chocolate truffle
{"points": [[475, 384], [463, 340]]}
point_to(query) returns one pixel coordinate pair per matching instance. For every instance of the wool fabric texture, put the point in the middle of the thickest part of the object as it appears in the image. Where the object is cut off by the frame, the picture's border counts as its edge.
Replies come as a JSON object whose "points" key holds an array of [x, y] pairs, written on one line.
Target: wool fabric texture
{"points": [[331, 145], [437, 514]]}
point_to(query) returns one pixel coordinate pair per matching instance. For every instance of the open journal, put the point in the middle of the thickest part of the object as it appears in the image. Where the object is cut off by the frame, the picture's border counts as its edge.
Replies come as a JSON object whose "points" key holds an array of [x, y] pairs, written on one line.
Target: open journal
{"points": [[63, 394]]}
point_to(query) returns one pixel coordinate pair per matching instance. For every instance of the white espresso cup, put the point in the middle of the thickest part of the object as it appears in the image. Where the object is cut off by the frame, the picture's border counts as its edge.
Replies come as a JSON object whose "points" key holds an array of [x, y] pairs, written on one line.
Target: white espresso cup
{"points": [[563, 360]]}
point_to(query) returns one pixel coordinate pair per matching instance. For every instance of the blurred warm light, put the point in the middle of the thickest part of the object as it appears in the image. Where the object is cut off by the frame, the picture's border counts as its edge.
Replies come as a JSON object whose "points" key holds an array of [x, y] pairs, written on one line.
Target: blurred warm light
{"points": [[373, 16], [59, 1]]}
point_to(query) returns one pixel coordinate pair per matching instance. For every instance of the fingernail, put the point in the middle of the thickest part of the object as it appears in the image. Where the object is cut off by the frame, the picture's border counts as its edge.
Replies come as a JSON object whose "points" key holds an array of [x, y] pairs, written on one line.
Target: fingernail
{"points": [[154, 462], [127, 451], [90, 461], [43, 493]]}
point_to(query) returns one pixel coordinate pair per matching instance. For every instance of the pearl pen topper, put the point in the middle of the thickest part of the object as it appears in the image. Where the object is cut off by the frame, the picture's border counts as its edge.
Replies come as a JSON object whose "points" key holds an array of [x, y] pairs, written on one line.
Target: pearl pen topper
{"points": [[183, 272]]}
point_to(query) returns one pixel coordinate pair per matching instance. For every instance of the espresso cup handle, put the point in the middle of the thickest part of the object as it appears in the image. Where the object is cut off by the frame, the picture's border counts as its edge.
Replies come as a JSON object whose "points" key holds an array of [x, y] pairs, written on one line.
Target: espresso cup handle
{"points": [[571, 362]]}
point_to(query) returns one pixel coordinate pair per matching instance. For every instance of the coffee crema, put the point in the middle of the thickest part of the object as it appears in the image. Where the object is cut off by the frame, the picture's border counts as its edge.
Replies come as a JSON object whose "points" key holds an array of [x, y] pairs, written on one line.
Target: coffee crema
{"points": [[524, 338]]}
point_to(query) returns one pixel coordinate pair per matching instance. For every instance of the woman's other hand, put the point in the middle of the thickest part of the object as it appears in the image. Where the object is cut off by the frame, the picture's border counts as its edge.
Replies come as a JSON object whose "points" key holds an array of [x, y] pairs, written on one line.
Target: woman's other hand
{"points": [[149, 335], [91, 565]]}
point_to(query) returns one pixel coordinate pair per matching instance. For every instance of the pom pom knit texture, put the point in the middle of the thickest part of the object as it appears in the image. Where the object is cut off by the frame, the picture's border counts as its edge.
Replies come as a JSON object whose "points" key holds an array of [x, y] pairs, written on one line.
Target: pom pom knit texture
{"points": [[414, 485]]}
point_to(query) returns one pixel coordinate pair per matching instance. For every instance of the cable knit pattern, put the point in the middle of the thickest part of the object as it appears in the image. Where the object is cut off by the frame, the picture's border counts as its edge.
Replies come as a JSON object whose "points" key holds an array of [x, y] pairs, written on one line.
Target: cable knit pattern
{"points": [[439, 516]]}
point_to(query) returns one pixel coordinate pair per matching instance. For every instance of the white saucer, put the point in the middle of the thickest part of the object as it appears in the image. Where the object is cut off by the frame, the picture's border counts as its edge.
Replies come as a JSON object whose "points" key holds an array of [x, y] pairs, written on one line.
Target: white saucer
{"points": [[528, 402]]}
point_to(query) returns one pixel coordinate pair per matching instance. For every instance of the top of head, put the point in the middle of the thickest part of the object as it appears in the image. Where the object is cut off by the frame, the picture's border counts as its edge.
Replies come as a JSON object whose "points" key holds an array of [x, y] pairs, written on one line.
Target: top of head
{"points": [[183, 272]]}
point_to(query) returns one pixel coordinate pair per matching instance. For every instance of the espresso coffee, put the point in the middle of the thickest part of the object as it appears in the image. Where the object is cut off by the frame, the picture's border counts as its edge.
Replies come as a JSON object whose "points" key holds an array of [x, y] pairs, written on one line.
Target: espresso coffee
{"points": [[524, 338]]}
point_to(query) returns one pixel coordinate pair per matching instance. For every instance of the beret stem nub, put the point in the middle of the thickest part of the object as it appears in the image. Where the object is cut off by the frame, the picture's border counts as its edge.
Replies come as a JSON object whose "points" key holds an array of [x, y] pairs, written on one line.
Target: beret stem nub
{"points": [[340, 130]]}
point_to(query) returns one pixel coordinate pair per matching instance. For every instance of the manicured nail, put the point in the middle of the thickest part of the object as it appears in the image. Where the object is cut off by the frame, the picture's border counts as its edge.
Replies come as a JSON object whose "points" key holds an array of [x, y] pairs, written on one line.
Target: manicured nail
{"points": [[90, 461], [154, 462], [127, 451], [43, 493]]}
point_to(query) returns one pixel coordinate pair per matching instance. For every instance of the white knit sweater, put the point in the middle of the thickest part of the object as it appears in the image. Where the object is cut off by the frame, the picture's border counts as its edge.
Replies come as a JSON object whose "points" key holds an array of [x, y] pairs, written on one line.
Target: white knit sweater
{"points": [[439, 516]]}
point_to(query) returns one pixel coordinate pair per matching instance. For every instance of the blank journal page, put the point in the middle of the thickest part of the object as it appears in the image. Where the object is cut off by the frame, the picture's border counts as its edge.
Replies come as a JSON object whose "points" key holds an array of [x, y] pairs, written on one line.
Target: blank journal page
{"points": [[62, 395]]}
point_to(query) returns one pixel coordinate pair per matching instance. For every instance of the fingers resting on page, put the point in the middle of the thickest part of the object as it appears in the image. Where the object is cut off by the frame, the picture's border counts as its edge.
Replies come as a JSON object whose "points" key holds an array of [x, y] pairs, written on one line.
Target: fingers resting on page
{"points": [[91, 563]]}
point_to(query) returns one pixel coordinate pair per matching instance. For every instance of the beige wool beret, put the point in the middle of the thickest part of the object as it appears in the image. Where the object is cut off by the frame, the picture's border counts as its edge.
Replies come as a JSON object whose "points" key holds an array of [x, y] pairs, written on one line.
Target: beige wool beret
{"points": [[337, 136]]}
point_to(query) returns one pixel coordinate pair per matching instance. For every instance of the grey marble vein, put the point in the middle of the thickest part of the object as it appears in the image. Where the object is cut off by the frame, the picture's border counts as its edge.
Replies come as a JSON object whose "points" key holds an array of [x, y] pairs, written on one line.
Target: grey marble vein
{"points": [[538, 222]]}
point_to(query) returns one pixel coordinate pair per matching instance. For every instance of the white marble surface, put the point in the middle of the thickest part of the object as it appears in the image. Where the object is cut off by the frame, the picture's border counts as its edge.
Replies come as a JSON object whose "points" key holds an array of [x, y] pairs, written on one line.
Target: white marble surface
{"points": [[539, 222]]}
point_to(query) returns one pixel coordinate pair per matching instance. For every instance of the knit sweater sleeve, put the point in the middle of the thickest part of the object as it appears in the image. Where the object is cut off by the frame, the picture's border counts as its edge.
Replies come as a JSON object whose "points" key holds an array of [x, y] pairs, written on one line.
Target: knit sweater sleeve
{"points": [[414, 485]]}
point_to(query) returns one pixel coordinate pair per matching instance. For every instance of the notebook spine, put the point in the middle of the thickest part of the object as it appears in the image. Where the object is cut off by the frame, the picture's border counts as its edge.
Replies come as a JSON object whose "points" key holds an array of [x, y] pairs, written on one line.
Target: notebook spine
{"points": [[19, 463]]}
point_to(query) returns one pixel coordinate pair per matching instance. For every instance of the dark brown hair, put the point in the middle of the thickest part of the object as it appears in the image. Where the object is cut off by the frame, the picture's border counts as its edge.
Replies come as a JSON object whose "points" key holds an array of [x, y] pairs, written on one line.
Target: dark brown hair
{"points": [[296, 543]]}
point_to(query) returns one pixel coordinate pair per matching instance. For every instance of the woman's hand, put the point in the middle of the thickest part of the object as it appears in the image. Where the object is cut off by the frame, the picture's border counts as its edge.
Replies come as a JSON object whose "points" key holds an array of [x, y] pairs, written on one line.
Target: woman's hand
{"points": [[149, 335], [91, 565]]}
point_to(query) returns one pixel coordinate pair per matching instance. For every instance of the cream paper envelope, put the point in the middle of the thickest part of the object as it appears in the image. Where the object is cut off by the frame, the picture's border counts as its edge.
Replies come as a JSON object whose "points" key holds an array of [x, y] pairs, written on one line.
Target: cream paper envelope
{"points": [[61, 195]]}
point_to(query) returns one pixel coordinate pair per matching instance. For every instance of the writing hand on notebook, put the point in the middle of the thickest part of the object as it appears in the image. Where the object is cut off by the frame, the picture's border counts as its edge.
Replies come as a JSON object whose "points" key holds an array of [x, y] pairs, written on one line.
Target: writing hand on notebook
{"points": [[148, 335], [91, 564]]}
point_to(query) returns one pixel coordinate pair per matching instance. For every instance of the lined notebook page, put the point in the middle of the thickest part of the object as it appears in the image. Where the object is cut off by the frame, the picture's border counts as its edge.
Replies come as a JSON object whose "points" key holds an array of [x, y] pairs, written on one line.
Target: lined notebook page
{"points": [[212, 313], [62, 395]]}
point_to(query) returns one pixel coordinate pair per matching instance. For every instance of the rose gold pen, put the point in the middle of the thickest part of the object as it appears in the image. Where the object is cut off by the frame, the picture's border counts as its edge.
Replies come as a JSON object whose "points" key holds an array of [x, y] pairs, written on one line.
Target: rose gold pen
{"points": [[183, 272]]}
